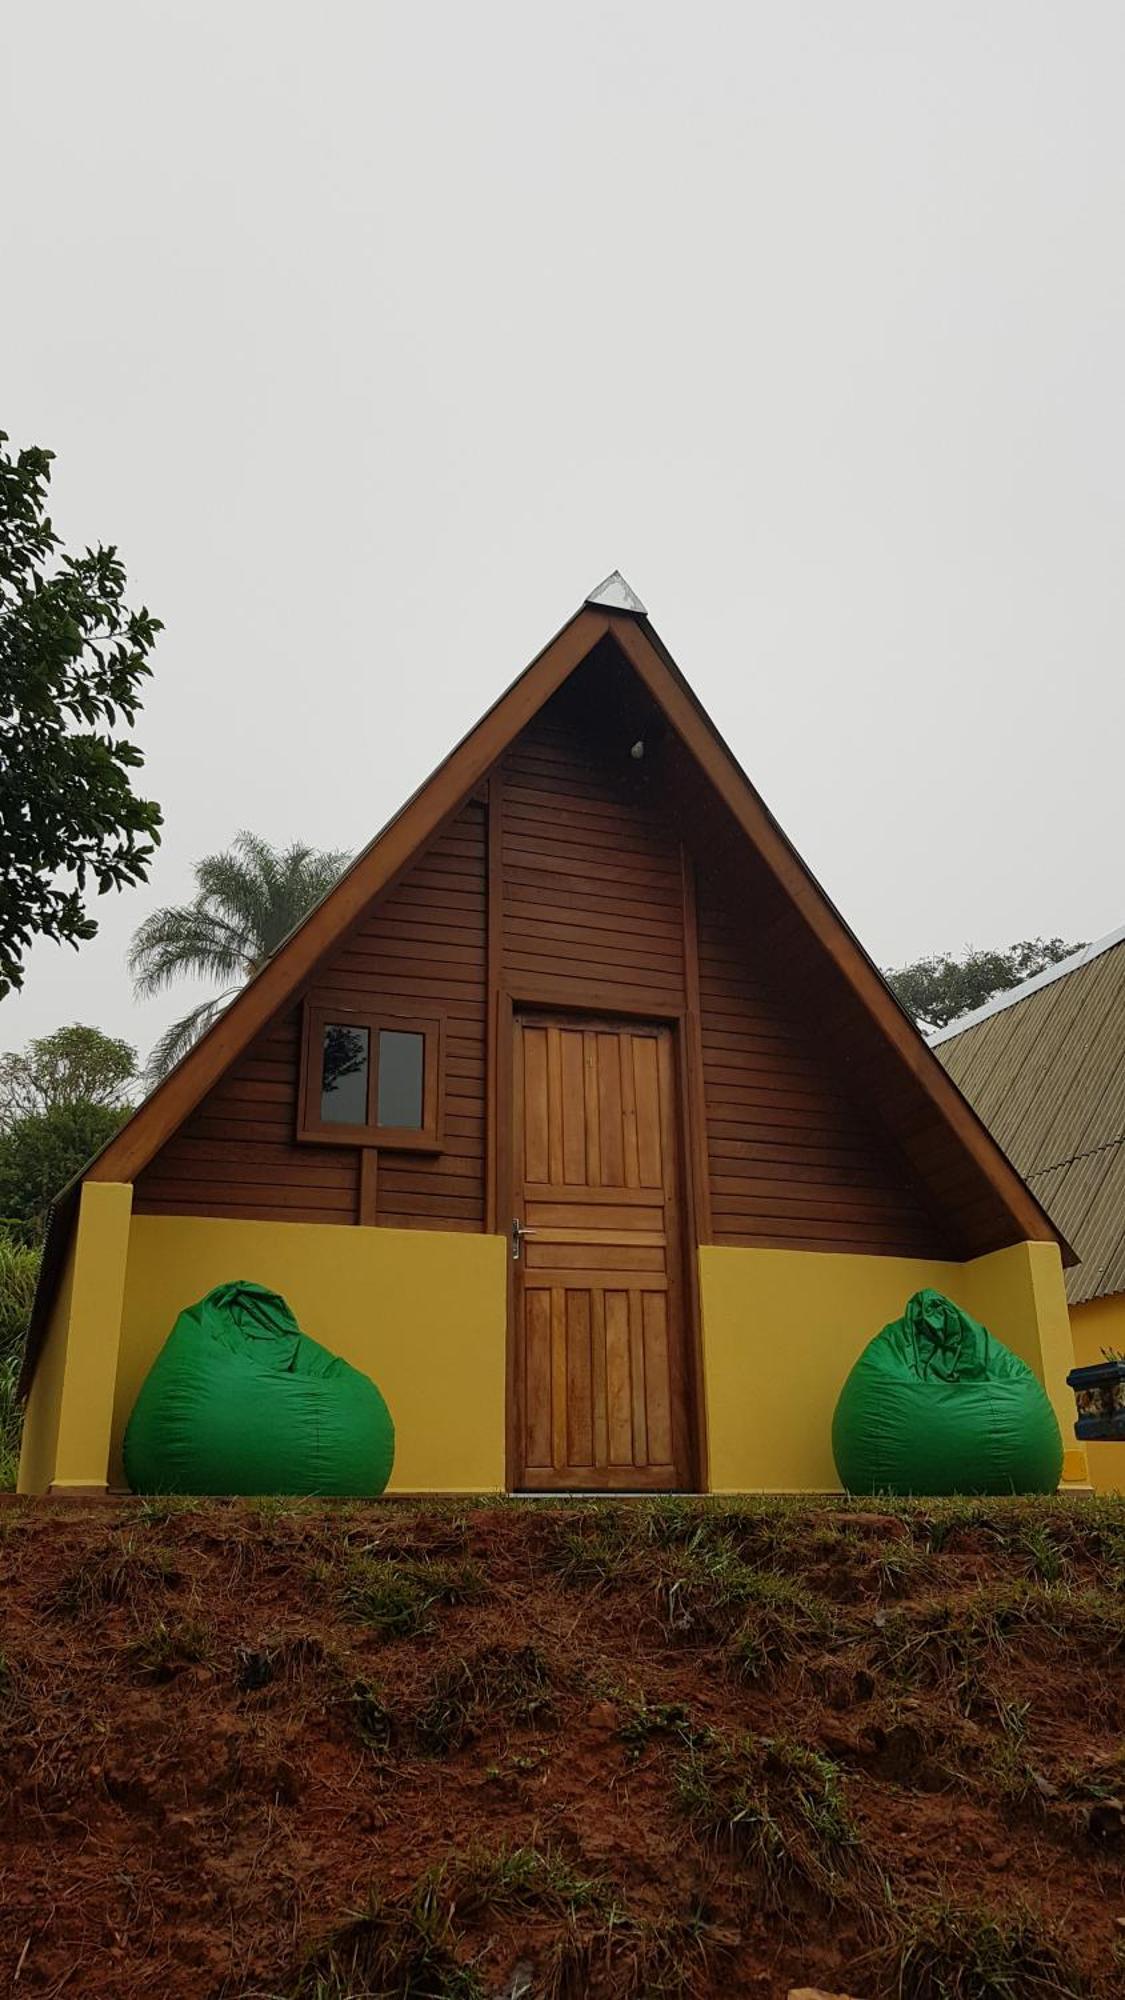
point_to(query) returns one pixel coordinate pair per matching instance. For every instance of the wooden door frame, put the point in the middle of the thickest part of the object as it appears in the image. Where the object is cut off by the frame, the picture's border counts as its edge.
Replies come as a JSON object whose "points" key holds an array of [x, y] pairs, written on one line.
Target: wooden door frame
{"points": [[542, 997]]}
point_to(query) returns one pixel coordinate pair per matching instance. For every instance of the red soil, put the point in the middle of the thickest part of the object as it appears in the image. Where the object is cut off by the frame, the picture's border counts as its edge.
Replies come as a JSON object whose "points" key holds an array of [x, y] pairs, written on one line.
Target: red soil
{"points": [[193, 1797]]}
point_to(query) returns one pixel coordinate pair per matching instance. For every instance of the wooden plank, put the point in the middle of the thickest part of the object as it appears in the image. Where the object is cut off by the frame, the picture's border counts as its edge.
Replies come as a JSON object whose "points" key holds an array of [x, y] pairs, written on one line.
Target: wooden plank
{"points": [[573, 1110], [535, 1105], [637, 1380], [579, 1381], [538, 1377], [368, 1208], [695, 1107], [619, 1387], [629, 1142], [593, 1115], [598, 1376], [554, 1106], [650, 1157], [658, 1387], [558, 1378], [608, 1049]]}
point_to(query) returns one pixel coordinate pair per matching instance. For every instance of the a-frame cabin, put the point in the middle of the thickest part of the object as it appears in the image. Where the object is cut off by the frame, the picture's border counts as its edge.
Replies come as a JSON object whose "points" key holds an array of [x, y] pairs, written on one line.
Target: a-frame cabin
{"points": [[574, 1114]]}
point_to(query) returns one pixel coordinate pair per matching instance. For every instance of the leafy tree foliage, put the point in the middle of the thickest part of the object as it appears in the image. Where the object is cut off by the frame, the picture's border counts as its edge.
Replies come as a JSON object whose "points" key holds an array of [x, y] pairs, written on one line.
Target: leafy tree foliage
{"points": [[40, 1154], [72, 659], [19, 1269], [941, 988], [247, 901], [75, 1065]]}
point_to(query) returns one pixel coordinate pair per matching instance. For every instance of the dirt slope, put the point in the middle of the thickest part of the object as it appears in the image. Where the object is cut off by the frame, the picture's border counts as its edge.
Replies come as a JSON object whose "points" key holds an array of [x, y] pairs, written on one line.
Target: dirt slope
{"points": [[636, 1749]]}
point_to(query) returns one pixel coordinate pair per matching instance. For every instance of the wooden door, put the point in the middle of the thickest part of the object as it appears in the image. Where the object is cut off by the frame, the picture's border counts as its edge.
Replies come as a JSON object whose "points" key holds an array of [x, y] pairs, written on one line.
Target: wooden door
{"points": [[598, 1298]]}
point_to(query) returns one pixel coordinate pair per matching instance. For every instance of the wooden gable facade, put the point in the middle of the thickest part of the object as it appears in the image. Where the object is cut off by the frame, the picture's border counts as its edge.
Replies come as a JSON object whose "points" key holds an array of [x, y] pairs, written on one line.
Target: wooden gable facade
{"points": [[577, 878], [639, 1028]]}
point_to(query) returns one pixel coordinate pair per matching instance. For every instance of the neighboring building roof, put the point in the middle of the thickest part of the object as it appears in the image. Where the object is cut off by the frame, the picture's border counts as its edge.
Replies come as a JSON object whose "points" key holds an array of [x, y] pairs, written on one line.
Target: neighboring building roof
{"points": [[1044, 1066], [1015, 994], [920, 1106]]}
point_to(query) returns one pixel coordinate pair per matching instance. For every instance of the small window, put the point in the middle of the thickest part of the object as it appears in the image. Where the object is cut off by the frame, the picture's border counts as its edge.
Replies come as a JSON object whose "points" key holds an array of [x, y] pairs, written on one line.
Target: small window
{"points": [[371, 1079]]}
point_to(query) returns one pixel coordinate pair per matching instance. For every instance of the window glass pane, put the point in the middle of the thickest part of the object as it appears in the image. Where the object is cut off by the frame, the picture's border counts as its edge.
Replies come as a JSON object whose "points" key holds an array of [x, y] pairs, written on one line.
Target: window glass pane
{"points": [[343, 1077], [401, 1061]]}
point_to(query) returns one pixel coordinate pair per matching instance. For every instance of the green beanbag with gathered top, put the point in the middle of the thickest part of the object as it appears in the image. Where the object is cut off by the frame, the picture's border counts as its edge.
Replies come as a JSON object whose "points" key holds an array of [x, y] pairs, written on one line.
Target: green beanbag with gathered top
{"points": [[936, 1404], [239, 1400]]}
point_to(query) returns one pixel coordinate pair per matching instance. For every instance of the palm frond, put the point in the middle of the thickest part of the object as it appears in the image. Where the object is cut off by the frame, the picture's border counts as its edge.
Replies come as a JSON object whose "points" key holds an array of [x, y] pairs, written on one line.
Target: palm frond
{"points": [[185, 941], [248, 900], [181, 1036]]}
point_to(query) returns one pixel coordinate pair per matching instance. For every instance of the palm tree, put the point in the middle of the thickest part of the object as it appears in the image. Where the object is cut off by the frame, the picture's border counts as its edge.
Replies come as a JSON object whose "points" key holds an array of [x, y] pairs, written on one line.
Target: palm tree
{"points": [[247, 901]]}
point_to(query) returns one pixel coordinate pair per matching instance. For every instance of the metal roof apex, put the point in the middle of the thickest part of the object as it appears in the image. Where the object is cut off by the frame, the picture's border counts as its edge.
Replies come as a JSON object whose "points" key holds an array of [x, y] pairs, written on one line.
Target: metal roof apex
{"points": [[616, 595]]}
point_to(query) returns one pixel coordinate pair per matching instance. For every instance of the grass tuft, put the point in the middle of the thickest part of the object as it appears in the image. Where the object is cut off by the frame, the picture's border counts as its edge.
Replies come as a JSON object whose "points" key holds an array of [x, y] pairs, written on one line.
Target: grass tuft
{"points": [[159, 1652], [513, 1684], [397, 1599], [372, 1720], [945, 1952], [777, 1805], [125, 1572], [401, 1948]]}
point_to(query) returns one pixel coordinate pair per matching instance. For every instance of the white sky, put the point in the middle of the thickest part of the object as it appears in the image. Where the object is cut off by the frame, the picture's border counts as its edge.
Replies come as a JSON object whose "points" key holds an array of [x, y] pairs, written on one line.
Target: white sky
{"points": [[376, 335]]}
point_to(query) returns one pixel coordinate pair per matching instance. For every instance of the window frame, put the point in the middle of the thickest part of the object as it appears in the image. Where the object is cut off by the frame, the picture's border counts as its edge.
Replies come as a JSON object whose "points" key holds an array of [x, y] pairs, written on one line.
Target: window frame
{"points": [[313, 1129]]}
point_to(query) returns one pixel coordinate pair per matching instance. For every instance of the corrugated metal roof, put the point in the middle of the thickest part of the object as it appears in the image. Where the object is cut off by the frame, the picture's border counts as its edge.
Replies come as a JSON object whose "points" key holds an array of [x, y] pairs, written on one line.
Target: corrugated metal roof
{"points": [[1013, 994], [1044, 1066]]}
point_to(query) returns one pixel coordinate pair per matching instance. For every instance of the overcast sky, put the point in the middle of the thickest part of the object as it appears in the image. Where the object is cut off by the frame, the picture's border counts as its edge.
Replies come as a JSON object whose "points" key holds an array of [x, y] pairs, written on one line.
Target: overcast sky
{"points": [[375, 335]]}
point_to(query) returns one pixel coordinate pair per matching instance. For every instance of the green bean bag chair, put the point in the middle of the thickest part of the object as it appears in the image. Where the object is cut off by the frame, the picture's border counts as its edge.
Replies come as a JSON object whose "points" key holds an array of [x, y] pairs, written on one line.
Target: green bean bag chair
{"points": [[239, 1400], [935, 1404]]}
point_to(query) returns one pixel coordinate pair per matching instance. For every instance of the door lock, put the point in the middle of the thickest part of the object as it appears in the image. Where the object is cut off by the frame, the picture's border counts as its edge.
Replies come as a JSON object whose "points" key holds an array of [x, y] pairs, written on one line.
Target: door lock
{"points": [[518, 1234]]}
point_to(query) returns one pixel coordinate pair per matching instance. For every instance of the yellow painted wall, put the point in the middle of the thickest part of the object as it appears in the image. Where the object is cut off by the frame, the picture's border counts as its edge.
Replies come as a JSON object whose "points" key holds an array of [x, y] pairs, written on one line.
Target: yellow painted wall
{"points": [[423, 1312], [782, 1328], [1098, 1325], [67, 1423]]}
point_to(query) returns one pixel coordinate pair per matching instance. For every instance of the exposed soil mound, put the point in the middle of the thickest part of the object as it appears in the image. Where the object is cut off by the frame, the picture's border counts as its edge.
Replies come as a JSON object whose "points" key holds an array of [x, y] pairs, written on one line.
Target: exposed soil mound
{"points": [[312, 1752]]}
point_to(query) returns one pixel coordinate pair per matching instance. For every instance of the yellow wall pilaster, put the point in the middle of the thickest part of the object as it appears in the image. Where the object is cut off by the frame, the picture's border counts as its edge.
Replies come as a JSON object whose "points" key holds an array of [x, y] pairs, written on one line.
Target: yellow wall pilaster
{"points": [[1022, 1290], [69, 1416]]}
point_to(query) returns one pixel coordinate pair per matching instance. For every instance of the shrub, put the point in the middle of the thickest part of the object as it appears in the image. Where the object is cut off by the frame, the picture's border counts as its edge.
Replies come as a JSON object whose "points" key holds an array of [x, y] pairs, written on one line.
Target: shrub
{"points": [[19, 1270]]}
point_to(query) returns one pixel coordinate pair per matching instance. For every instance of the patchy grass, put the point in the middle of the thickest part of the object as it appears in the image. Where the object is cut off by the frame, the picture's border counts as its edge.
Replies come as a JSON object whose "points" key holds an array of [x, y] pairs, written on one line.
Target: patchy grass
{"points": [[956, 1644], [943, 1952], [371, 1717], [643, 1720], [281, 1663], [512, 1685], [403, 1945], [396, 1600], [127, 1572], [686, 1749], [164, 1647], [429, 1943], [776, 1804]]}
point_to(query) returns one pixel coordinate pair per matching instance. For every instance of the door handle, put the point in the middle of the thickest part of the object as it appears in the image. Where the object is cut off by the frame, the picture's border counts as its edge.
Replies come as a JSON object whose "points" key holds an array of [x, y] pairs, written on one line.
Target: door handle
{"points": [[518, 1234]]}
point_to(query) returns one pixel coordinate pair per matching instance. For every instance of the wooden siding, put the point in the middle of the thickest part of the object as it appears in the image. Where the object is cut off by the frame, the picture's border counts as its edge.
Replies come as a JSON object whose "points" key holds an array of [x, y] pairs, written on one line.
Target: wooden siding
{"points": [[793, 1161], [420, 951], [237, 1154], [592, 889], [589, 876]]}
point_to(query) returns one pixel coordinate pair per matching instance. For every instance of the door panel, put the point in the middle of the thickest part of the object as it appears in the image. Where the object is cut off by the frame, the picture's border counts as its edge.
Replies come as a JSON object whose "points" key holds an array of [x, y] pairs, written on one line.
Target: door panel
{"points": [[600, 1365]]}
